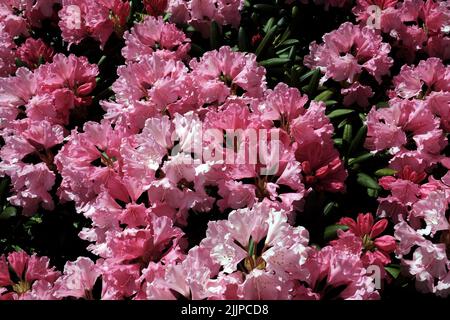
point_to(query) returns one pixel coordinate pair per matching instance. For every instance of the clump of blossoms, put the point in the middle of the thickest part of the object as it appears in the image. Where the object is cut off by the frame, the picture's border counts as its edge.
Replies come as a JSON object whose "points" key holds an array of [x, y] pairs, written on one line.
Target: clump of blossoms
{"points": [[346, 55], [36, 107], [201, 173]]}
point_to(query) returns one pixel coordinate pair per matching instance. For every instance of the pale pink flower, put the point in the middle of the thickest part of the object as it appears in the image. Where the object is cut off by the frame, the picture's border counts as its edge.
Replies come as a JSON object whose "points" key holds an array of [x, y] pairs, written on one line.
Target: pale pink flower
{"points": [[78, 279]]}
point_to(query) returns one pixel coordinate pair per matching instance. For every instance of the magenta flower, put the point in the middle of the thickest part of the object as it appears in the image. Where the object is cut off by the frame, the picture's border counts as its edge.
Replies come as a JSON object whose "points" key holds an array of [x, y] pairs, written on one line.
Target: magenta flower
{"points": [[376, 248]]}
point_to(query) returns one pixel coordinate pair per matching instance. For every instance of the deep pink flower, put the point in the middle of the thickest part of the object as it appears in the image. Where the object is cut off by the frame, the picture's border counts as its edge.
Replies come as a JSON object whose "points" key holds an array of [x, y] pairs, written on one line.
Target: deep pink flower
{"points": [[34, 52], [376, 248]]}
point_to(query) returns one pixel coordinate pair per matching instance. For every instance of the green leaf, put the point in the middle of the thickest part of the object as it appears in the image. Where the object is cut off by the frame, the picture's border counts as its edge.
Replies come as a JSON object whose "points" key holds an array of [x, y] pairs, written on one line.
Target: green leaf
{"points": [[101, 61], [393, 270], [190, 28], [372, 193], [339, 113], [265, 41], [382, 104], [324, 96], [358, 140], [338, 141], [295, 12], [313, 83], [331, 231], [363, 118], [167, 16], [8, 212], [385, 172], [330, 102], [367, 181], [274, 62], [251, 247], [214, 36], [348, 133], [16, 247], [20, 63], [343, 123], [292, 52], [269, 24], [361, 158], [307, 75], [243, 39], [289, 42], [284, 37], [329, 207], [265, 7]]}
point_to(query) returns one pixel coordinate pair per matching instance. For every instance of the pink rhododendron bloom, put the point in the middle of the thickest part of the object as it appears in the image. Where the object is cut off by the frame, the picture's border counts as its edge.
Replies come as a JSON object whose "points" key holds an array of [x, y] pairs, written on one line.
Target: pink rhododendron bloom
{"points": [[335, 274], [78, 279], [321, 166], [358, 94], [25, 275], [235, 244], [146, 89], [349, 50], [91, 161], [81, 19], [219, 74], [28, 142], [406, 127], [429, 75], [153, 34], [376, 248], [34, 52], [73, 73], [13, 23], [7, 54], [224, 12]]}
